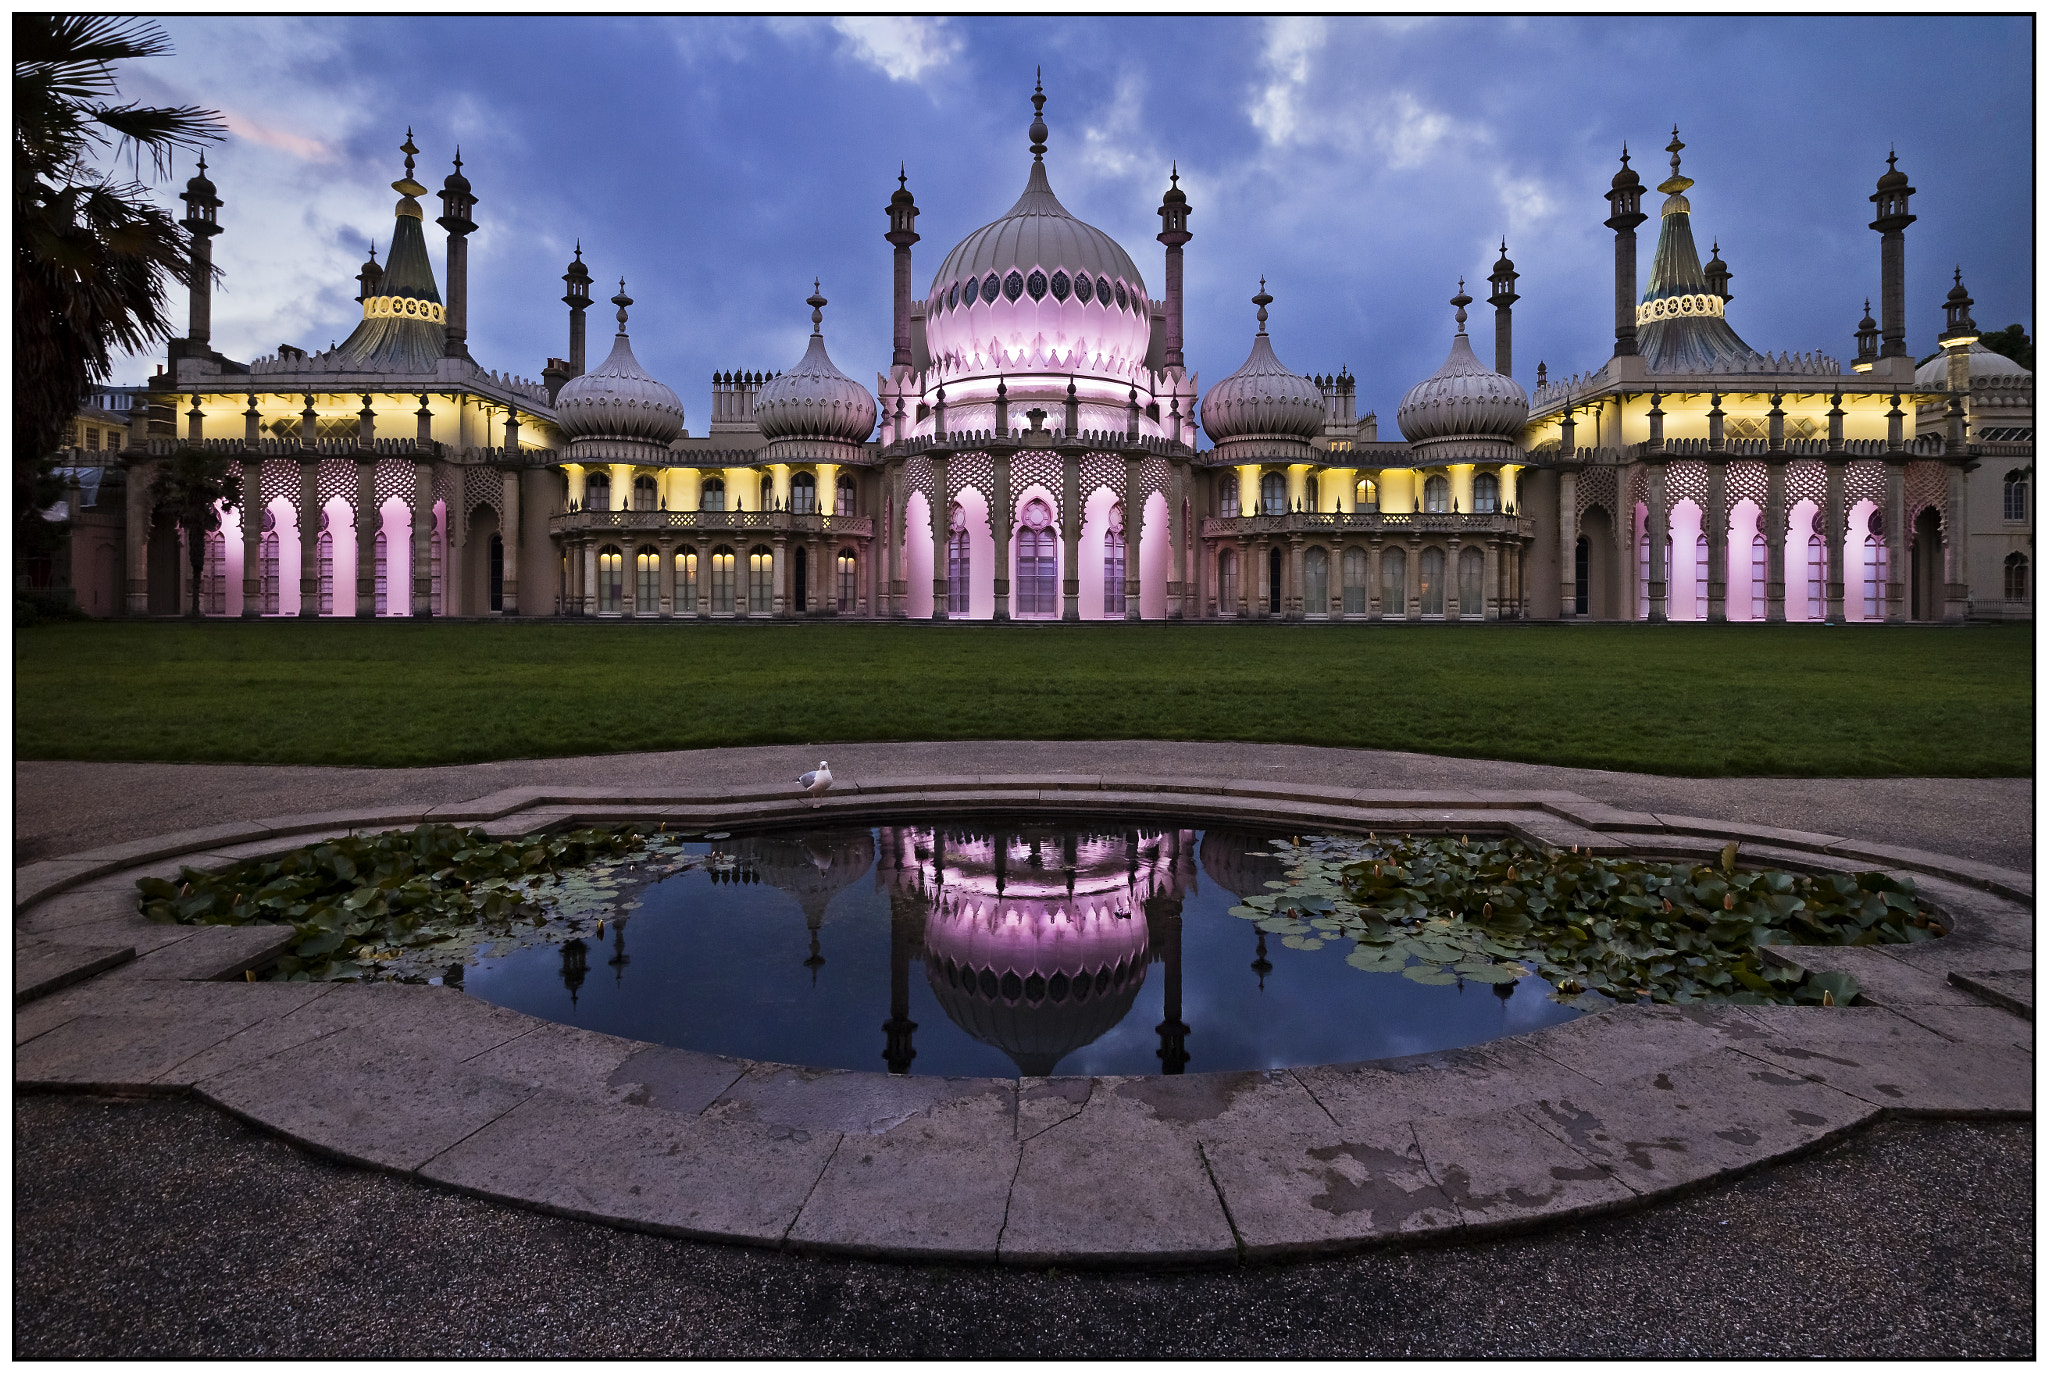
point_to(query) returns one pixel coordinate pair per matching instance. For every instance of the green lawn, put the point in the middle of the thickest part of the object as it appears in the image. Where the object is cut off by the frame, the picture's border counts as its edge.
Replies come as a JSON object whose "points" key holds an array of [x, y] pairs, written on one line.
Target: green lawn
{"points": [[1687, 700]]}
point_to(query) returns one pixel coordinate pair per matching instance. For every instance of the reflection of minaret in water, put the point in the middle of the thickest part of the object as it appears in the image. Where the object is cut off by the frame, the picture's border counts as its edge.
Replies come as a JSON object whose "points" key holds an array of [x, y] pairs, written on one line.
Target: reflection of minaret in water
{"points": [[618, 960], [1162, 913], [575, 963], [1260, 963], [904, 928]]}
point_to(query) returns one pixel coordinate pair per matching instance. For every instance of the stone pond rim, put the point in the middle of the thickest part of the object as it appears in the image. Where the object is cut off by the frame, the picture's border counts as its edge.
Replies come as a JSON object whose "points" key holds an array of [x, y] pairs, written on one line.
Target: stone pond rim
{"points": [[1608, 1111]]}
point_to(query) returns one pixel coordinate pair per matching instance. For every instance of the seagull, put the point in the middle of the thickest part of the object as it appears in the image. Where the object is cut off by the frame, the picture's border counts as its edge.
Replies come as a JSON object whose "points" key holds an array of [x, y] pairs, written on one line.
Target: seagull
{"points": [[816, 783]]}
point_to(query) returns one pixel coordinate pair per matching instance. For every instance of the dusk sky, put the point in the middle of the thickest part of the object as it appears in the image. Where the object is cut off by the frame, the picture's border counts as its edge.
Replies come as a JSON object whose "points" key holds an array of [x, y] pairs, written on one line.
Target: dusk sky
{"points": [[1360, 165]]}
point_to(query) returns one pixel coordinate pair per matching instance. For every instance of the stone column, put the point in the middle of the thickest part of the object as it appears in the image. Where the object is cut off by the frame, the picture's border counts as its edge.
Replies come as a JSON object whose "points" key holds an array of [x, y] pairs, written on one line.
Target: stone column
{"points": [[1898, 541], [1836, 525], [1658, 526], [252, 538], [817, 581], [589, 587], [1002, 515], [1247, 580], [1774, 537], [1567, 543], [369, 519], [309, 538], [784, 602], [422, 540], [941, 510], [1294, 601], [1372, 576], [898, 504], [1134, 535], [1414, 578], [1454, 600], [1491, 580], [1717, 537], [1176, 541], [1955, 540], [665, 577], [510, 534], [1070, 534], [136, 535]]}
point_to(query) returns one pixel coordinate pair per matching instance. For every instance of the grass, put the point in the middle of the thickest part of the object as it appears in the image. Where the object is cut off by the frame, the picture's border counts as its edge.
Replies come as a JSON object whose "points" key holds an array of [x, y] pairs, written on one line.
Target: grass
{"points": [[1686, 700]]}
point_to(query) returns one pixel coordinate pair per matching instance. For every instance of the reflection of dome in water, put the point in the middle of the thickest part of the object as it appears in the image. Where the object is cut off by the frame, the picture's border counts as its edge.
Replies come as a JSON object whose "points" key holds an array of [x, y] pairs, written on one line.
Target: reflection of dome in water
{"points": [[1035, 945], [813, 868], [1240, 863]]}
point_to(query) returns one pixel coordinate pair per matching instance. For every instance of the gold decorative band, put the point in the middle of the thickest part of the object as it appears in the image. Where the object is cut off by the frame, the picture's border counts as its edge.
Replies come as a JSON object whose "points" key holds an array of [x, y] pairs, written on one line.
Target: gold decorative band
{"points": [[1674, 307], [404, 307]]}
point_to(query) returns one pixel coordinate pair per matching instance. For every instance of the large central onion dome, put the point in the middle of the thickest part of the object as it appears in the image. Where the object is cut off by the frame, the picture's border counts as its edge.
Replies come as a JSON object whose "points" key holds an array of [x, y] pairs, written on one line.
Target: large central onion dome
{"points": [[1465, 399], [1038, 288], [1262, 400], [617, 399], [814, 399]]}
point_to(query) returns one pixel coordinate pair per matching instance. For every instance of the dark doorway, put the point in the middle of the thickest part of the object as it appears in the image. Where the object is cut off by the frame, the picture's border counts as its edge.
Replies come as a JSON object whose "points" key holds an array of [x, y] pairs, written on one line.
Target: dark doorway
{"points": [[1273, 579], [164, 558], [1596, 598], [497, 573], [1580, 555], [803, 578], [1927, 570]]}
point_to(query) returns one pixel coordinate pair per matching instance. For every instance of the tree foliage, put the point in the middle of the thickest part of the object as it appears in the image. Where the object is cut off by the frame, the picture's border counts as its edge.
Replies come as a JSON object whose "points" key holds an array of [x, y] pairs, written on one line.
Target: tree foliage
{"points": [[2011, 342], [192, 488], [91, 253]]}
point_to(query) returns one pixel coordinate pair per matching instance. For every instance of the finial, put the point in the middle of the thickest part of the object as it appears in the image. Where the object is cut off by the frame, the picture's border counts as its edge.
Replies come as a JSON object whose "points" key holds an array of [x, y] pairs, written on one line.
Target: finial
{"points": [[409, 150], [1038, 129], [622, 300], [373, 250], [579, 250], [1174, 175], [817, 304], [1624, 152], [903, 176], [1891, 159], [202, 164], [1461, 300], [458, 157], [1262, 300]]}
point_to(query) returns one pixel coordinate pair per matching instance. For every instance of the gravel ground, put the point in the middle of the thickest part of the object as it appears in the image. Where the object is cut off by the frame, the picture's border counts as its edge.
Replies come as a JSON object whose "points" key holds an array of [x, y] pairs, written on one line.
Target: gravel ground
{"points": [[165, 1229]]}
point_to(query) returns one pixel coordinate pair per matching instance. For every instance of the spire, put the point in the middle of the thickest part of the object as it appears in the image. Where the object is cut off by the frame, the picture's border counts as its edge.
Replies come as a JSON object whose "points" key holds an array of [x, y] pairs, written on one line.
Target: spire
{"points": [[406, 187], [1676, 183], [1262, 300], [816, 302], [1038, 129], [622, 300], [1461, 300]]}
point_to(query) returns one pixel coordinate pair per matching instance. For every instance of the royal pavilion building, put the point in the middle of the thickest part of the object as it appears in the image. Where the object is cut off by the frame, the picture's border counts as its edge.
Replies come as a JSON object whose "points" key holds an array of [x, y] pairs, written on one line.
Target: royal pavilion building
{"points": [[1036, 448]]}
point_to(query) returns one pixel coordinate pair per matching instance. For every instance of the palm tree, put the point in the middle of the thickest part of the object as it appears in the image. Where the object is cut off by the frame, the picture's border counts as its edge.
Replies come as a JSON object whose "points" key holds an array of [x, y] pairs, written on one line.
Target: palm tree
{"points": [[91, 254], [193, 487]]}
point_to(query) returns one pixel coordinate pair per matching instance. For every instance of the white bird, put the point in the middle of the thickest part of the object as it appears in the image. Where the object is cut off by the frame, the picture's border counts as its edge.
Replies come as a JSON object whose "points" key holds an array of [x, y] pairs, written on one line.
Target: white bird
{"points": [[816, 783]]}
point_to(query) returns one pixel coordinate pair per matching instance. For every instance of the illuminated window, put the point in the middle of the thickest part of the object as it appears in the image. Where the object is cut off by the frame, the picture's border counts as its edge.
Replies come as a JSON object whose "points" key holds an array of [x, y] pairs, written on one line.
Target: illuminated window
{"points": [[611, 580], [1471, 583], [686, 583], [1485, 494], [1876, 571], [1084, 289], [1037, 563], [1816, 578], [848, 581], [1102, 291], [647, 580], [1035, 284], [990, 287], [1013, 285], [1113, 601], [326, 571], [1432, 581], [761, 580], [767, 491], [1368, 495], [711, 496], [1227, 496], [2016, 495], [1061, 286], [1226, 582], [434, 542], [1272, 494], [645, 494], [267, 563], [957, 572], [803, 494], [842, 496], [2015, 576], [382, 566], [1436, 495], [597, 492], [1123, 302], [1701, 565], [1759, 577]]}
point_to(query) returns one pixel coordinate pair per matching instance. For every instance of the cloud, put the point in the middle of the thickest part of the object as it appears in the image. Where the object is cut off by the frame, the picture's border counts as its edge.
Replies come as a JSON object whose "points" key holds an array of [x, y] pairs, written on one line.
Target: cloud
{"points": [[312, 150], [902, 48], [1290, 43]]}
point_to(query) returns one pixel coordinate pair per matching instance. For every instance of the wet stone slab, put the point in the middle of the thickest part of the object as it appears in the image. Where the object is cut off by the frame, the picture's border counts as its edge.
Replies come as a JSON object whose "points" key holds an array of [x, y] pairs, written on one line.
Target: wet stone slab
{"points": [[1921, 1077], [641, 1166], [559, 1058], [834, 1099], [1973, 1025], [1627, 1041], [1452, 1082], [678, 1080], [2008, 990], [212, 953], [1504, 1173], [1882, 979], [41, 968]]}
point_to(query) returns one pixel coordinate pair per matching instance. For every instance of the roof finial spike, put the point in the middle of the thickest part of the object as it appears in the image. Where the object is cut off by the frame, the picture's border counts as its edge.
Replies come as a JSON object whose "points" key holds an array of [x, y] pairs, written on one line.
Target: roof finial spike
{"points": [[903, 176], [458, 157], [202, 164], [622, 300], [579, 249], [1038, 129], [817, 303], [1461, 300], [1262, 300], [373, 250]]}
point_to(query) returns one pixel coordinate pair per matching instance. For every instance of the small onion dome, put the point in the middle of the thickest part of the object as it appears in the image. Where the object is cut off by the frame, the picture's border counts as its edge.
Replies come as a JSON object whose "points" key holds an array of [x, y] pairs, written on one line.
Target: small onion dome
{"points": [[1465, 398], [1262, 398], [1626, 177], [814, 399], [1983, 363], [1893, 177], [617, 399]]}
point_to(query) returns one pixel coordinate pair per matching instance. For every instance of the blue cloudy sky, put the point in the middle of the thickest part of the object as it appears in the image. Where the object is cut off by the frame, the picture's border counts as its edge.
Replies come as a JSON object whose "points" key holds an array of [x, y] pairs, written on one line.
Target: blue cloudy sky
{"points": [[1360, 165]]}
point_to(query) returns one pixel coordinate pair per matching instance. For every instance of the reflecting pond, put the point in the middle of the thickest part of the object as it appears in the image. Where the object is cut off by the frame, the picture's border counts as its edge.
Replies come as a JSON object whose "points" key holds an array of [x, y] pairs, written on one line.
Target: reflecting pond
{"points": [[986, 949]]}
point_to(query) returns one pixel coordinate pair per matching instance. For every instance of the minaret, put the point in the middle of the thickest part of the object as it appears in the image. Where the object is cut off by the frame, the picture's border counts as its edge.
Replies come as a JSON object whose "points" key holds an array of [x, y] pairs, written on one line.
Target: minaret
{"points": [[456, 204], [1893, 195], [1955, 341], [1717, 274], [1625, 196], [201, 206], [902, 211], [1173, 232], [578, 300], [1503, 299], [370, 281], [1866, 340]]}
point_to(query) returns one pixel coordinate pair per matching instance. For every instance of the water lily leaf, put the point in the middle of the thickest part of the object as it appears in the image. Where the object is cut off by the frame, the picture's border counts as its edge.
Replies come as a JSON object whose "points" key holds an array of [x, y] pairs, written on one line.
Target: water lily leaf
{"points": [[1429, 977], [1491, 972], [1302, 941]]}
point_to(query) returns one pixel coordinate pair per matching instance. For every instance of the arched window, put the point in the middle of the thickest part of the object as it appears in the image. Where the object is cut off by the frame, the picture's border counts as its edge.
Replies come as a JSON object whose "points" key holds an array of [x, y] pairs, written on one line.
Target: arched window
{"points": [[803, 494], [267, 563], [761, 580], [1759, 578], [1315, 582], [848, 580], [1876, 572], [1471, 583], [686, 583], [326, 569], [611, 580], [597, 491], [1272, 494], [711, 495], [1037, 562], [1368, 495], [1228, 504], [647, 580], [1354, 582], [1394, 584], [214, 583], [1226, 582], [767, 491], [1643, 576], [1308, 497], [1432, 586], [1816, 578], [434, 541], [645, 494], [1701, 562], [497, 572], [2016, 576], [383, 570], [1113, 601], [1436, 495], [2015, 497], [842, 495], [1485, 494], [958, 570]]}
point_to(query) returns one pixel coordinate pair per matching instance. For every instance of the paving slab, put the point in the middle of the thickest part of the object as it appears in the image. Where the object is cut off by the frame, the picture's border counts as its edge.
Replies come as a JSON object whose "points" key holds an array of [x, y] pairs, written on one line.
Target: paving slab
{"points": [[212, 953], [1624, 1042], [40, 880], [1837, 1025], [933, 1186], [640, 1166], [1505, 1173], [2008, 990], [144, 936], [366, 1096], [1693, 1122], [41, 967], [1114, 1184], [1924, 1078], [1451, 1082], [677, 1080], [1972, 1024], [1881, 979], [1043, 1102], [561, 1058], [229, 1007], [117, 1053], [77, 908], [834, 1099]]}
